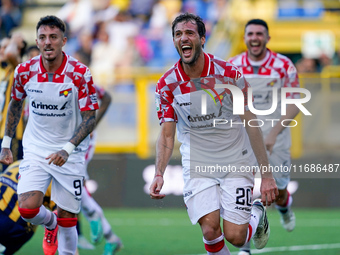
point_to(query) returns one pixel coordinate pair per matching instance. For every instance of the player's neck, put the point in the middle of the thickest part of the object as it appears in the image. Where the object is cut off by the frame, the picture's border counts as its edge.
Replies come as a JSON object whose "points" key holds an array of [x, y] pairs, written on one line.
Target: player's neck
{"points": [[195, 70], [53, 66], [258, 61], [258, 58]]}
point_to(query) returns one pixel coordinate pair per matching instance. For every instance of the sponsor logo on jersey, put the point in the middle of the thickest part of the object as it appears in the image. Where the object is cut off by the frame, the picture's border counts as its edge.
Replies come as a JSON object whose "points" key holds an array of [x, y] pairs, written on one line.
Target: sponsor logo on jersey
{"points": [[185, 104], [44, 106], [65, 92], [35, 90], [196, 118], [186, 194], [272, 83], [93, 98], [242, 208]]}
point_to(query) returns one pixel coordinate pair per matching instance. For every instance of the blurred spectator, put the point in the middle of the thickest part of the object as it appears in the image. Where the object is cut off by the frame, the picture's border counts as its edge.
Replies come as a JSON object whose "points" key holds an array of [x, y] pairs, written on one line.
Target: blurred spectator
{"points": [[306, 65], [105, 57], [324, 61], [32, 51], [78, 15], [10, 17], [122, 32], [141, 9], [336, 57], [159, 33], [11, 53], [85, 41]]}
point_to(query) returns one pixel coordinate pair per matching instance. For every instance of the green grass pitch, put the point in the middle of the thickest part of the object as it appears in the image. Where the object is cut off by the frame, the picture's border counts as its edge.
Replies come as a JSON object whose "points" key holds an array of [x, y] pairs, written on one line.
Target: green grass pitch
{"points": [[160, 231]]}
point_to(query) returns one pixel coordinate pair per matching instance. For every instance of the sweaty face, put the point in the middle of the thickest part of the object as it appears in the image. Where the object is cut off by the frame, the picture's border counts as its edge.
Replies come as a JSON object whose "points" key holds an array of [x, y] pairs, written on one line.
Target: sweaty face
{"points": [[188, 42], [50, 42], [256, 38]]}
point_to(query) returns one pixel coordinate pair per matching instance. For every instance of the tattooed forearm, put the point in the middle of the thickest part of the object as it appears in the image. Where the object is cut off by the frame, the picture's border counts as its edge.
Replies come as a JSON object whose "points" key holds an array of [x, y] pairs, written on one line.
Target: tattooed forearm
{"points": [[13, 117], [85, 127]]}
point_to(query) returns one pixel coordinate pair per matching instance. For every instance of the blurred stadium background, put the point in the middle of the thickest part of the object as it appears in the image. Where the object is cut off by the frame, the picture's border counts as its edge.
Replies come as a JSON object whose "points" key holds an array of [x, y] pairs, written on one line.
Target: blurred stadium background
{"points": [[129, 45]]}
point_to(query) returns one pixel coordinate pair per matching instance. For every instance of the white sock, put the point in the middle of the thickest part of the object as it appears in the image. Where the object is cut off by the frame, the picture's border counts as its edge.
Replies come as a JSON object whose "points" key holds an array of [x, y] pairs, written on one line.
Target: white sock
{"points": [[212, 245], [284, 209], [44, 217], [67, 240], [253, 223]]}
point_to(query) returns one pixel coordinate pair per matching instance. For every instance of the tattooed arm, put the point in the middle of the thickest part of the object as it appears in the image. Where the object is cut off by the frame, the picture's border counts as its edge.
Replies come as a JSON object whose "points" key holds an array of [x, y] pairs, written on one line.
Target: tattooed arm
{"points": [[84, 129], [12, 120]]}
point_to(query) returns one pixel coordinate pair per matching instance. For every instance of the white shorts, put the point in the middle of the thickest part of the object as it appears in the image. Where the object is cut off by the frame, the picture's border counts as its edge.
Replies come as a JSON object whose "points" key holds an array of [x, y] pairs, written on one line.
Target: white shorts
{"points": [[66, 189], [232, 196], [280, 159]]}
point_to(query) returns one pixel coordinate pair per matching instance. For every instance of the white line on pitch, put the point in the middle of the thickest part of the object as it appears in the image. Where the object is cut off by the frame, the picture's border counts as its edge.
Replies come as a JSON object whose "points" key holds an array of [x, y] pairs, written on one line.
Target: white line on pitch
{"points": [[291, 248]]}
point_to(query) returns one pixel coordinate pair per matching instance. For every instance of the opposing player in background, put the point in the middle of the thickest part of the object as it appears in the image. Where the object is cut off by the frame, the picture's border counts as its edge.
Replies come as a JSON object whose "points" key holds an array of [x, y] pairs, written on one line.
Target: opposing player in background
{"points": [[266, 70], [15, 232], [11, 53], [99, 225], [62, 103], [209, 196]]}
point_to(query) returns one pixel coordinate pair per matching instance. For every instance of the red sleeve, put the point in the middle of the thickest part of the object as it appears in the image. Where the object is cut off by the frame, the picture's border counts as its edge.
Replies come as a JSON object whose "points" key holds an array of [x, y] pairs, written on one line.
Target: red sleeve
{"points": [[87, 96], [163, 100]]}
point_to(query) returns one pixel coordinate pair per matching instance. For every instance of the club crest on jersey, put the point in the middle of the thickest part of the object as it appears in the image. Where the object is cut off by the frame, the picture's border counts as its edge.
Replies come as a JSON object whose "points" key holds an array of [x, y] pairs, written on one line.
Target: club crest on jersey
{"points": [[65, 92], [272, 83]]}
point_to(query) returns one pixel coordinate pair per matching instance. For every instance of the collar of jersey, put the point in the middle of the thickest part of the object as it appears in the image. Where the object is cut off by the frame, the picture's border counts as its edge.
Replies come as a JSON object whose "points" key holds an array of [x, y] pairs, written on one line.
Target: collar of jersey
{"points": [[205, 72], [60, 69]]}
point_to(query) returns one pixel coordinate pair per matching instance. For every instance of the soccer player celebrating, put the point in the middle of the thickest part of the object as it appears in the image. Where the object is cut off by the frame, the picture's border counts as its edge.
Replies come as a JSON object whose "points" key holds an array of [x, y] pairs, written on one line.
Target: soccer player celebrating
{"points": [[204, 144], [62, 103], [266, 70]]}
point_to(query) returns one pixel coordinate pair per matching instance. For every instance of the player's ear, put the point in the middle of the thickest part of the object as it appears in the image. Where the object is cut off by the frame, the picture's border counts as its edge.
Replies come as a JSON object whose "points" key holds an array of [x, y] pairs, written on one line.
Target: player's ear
{"points": [[64, 40], [202, 40]]}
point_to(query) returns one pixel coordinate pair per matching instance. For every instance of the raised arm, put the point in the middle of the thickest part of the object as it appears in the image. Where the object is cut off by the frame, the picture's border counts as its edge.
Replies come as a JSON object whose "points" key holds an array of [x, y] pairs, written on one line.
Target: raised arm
{"points": [[164, 149]]}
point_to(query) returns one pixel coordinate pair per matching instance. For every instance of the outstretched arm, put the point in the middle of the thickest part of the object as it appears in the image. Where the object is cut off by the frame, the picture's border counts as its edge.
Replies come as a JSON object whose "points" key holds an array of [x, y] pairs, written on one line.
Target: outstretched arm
{"points": [[84, 129], [12, 120], [164, 148]]}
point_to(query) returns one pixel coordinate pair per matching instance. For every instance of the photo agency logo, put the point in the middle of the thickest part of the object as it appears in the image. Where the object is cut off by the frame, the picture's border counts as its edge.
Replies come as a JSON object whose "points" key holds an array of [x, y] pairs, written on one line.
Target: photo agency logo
{"points": [[239, 100]]}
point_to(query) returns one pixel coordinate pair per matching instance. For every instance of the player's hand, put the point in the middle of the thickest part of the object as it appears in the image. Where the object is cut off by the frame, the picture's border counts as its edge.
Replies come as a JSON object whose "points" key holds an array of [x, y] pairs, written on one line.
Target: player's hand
{"points": [[269, 142], [269, 191], [58, 158], [6, 156], [156, 187]]}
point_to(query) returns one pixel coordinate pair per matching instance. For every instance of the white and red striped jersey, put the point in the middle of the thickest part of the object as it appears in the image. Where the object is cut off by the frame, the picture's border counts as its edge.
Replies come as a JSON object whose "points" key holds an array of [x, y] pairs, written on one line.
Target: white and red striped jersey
{"points": [[275, 71], [178, 98], [55, 102]]}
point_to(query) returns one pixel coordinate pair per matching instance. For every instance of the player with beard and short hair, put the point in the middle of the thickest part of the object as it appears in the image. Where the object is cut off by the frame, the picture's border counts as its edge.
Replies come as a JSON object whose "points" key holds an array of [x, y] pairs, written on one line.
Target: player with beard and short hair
{"points": [[266, 70], [62, 102], [209, 196]]}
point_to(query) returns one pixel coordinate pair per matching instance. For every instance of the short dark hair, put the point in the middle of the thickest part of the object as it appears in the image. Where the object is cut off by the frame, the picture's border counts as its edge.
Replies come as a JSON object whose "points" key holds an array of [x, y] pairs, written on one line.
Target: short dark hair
{"points": [[257, 22], [190, 17], [52, 21]]}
